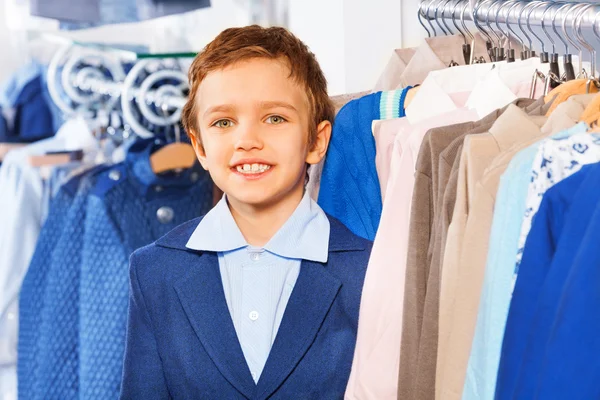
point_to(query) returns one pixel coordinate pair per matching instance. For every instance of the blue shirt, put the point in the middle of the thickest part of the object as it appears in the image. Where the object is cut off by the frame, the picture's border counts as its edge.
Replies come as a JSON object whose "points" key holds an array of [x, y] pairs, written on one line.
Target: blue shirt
{"points": [[509, 209], [555, 237], [350, 189], [258, 282], [571, 368]]}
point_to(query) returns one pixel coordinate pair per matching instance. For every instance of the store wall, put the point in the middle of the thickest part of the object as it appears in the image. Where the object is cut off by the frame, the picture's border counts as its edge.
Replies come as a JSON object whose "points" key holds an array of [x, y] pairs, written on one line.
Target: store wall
{"points": [[352, 39]]}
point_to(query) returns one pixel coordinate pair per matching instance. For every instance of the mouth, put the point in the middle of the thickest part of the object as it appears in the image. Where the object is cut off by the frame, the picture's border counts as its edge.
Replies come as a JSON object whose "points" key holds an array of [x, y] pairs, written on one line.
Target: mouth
{"points": [[252, 170]]}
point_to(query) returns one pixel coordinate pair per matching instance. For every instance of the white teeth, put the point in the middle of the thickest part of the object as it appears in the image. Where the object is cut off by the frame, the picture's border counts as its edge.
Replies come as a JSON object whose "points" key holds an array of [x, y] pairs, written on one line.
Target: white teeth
{"points": [[252, 168]]}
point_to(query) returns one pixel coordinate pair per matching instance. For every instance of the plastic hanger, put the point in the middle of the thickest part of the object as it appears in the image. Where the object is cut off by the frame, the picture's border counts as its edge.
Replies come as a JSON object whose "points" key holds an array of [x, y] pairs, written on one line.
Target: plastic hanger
{"points": [[173, 156]]}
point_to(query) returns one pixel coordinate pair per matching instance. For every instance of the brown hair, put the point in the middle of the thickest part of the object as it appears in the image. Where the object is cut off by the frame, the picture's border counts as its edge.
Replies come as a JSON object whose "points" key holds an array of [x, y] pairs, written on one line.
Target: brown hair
{"points": [[238, 44]]}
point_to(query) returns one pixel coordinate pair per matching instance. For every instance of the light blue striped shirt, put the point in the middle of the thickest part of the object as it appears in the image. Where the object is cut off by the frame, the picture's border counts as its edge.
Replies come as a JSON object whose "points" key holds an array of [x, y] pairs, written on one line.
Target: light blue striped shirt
{"points": [[258, 282]]}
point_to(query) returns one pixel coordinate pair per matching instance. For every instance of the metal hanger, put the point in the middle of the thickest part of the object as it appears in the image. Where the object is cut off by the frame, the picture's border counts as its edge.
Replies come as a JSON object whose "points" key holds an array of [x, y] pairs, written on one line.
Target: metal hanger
{"points": [[426, 15], [466, 47], [437, 21], [421, 20], [554, 72], [577, 30], [504, 52], [444, 18], [543, 52], [567, 61], [489, 43], [572, 8], [529, 52], [511, 55], [498, 42]]}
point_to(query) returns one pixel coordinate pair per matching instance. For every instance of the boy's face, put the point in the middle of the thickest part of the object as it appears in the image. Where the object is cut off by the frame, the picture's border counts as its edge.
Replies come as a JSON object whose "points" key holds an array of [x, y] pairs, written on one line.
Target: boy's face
{"points": [[254, 124]]}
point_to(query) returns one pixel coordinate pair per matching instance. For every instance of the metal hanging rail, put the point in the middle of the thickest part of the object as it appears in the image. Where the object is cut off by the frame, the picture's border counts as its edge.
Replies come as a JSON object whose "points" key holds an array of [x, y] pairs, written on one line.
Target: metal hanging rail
{"points": [[481, 9]]}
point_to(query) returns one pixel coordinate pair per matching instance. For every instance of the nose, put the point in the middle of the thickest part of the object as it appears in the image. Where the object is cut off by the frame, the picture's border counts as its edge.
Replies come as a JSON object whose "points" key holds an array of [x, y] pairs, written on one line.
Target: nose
{"points": [[248, 137]]}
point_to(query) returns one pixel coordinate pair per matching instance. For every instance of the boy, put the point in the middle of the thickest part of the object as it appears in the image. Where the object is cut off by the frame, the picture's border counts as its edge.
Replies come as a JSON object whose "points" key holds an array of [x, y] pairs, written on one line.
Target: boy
{"points": [[259, 298]]}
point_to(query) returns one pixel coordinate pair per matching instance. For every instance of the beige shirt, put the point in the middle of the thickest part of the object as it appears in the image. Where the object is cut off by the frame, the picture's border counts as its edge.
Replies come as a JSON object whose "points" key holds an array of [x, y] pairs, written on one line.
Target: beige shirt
{"points": [[409, 67], [461, 282]]}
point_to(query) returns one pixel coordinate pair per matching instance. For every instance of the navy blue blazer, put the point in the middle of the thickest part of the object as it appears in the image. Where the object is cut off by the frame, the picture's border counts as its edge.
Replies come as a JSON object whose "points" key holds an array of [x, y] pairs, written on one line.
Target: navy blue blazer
{"points": [[181, 342]]}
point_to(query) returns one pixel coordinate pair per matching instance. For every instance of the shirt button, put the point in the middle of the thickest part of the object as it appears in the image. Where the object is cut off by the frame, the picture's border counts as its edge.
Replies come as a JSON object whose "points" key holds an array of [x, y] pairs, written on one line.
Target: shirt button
{"points": [[158, 189], [165, 215], [114, 175], [253, 315], [194, 176], [255, 256], [11, 316]]}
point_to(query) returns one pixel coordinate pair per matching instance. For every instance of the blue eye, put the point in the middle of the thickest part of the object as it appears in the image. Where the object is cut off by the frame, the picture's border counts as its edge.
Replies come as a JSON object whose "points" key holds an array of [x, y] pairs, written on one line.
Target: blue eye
{"points": [[223, 123], [276, 119]]}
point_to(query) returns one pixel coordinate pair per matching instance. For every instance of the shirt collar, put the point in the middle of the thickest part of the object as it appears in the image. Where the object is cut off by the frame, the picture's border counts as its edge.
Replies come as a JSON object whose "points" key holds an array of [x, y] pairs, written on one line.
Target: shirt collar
{"points": [[305, 235]]}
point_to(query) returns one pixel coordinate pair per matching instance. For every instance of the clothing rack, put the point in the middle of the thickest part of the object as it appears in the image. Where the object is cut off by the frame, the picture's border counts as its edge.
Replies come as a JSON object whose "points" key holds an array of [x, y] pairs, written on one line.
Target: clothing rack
{"points": [[498, 11]]}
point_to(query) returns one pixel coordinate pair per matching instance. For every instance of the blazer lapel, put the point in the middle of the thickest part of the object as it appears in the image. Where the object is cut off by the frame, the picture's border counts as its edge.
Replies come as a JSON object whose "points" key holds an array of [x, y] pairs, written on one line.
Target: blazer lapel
{"points": [[311, 299], [203, 299]]}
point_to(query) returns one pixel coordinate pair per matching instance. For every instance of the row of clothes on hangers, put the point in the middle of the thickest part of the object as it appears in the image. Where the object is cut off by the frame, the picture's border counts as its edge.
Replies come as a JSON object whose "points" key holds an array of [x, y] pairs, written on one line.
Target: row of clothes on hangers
{"points": [[469, 178], [73, 207]]}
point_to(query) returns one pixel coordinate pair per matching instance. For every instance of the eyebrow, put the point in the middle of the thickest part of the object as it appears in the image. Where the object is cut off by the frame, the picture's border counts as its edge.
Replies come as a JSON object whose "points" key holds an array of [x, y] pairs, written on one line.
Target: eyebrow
{"points": [[265, 105]]}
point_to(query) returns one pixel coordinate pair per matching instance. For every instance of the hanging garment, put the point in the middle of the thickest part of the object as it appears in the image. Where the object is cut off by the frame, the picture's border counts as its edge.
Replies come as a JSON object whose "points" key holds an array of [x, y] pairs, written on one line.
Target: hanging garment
{"points": [[376, 358], [178, 308], [513, 127], [54, 243], [561, 222], [129, 207], [99, 12], [575, 328], [409, 67], [509, 209], [23, 210], [351, 160], [555, 160], [315, 171], [420, 315]]}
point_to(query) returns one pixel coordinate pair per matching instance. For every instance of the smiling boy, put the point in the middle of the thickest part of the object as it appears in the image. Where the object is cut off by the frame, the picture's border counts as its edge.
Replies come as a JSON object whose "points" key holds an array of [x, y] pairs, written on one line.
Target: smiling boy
{"points": [[259, 298]]}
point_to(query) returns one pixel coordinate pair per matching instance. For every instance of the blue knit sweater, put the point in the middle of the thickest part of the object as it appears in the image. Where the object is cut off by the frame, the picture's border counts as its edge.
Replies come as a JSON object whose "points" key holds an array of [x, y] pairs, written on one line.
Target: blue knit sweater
{"points": [[349, 188], [54, 244], [123, 215]]}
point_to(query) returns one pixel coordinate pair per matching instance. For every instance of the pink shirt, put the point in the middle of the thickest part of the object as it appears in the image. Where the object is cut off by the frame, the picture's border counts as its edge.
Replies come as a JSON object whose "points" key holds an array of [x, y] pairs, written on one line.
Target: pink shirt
{"points": [[376, 359]]}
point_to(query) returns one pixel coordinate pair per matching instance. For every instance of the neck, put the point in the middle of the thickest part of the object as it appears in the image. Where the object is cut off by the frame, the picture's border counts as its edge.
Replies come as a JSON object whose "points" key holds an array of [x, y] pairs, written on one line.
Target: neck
{"points": [[258, 224]]}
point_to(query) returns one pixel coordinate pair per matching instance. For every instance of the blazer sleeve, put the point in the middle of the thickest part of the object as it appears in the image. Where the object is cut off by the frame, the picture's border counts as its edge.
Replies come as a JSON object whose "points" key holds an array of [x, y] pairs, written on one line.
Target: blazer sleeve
{"points": [[143, 375]]}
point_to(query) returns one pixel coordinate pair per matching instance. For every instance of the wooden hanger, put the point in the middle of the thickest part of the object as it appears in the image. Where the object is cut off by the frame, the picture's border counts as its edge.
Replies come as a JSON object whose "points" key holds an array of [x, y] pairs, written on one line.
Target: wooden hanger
{"points": [[173, 156], [55, 158]]}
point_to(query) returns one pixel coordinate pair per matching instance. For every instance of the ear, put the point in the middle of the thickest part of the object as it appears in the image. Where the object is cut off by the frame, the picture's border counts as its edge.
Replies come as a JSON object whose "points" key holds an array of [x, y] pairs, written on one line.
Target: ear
{"points": [[199, 150], [316, 154]]}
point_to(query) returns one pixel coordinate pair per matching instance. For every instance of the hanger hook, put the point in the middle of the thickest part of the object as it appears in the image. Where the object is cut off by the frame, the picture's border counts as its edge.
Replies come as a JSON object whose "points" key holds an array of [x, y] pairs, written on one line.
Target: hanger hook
{"points": [[479, 27], [502, 4], [487, 22], [533, 6], [421, 20], [427, 13], [511, 30], [454, 7], [554, 26], [577, 29], [462, 20], [572, 7], [444, 18], [536, 5], [437, 21], [548, 8]]}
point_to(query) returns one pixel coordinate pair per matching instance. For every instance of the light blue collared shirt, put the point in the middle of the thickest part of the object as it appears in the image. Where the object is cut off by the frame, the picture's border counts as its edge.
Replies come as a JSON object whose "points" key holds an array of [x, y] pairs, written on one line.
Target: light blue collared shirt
{"points": [[258, 282]]}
